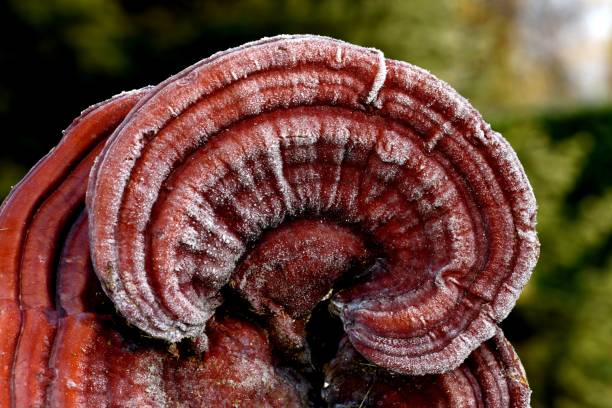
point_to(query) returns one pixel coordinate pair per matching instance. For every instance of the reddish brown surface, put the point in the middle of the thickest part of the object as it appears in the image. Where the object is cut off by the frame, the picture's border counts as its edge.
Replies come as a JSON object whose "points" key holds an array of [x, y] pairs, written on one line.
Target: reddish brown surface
{"points": [[78, 289], [10, 324], [492, 376], [234, 202], [54, 353], [32, 221], [303, 126], [95, 365], [291, 269]]}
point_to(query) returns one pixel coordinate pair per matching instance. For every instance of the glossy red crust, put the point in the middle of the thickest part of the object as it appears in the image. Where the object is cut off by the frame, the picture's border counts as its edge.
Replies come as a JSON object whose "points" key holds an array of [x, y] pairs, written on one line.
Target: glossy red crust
{"points": [[491, 377], [33, 220], [77, 287], [94, 365], [60, 346], [303, 126], [330, 171]]}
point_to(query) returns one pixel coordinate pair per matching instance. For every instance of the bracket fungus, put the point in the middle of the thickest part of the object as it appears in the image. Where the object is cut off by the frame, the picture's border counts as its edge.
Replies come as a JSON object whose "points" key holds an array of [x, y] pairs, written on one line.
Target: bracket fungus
{"points": [[492, 376], [241, 198]]}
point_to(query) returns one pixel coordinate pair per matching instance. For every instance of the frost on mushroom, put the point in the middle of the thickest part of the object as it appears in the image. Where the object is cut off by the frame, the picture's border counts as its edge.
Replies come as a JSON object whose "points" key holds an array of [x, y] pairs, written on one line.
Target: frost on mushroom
{"points": [[61, 345], [492, 376], [290, 270], [216, 158], [238, 204]]}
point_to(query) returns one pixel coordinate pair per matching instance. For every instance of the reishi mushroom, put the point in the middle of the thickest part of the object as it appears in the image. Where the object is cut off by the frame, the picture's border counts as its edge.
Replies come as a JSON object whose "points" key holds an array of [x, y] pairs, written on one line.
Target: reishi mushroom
{"points": [[60, 345], [303, 126], [272, 178], [492, 376], [33, 219]]}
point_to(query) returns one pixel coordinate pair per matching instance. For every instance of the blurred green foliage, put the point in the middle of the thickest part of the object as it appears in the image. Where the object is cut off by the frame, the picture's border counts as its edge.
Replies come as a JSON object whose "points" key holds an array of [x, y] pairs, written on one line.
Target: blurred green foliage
{"points": [[83, 51], [561, 326]]}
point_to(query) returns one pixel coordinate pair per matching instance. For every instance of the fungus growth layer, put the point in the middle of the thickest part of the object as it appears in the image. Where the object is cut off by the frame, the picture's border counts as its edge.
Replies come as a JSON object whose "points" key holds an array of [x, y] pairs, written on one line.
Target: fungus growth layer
{"points": [[320, 225]]}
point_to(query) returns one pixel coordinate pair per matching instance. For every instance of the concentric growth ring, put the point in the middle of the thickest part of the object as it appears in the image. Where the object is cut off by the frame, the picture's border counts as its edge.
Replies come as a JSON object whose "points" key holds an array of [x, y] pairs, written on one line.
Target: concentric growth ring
{"points": [[34, 221], [492, 376], [301, 127]]}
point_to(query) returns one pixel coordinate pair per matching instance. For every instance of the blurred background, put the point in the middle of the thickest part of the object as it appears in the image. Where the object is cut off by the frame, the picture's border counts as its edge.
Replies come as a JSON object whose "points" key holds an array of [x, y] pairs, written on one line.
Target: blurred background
{"points": [[539, 70]]}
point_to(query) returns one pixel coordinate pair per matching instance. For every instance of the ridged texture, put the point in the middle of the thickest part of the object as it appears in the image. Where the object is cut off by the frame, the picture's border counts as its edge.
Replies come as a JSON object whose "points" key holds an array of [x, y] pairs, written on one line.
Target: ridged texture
{"points": [[289, 271], [95, 366], [60, 344], [34, 220], [491, 377], [273, 180], [309, 127]]}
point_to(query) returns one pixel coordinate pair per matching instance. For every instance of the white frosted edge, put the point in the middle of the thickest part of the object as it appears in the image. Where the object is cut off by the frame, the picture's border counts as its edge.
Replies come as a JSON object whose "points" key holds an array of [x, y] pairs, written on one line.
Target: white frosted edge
{"points": [[379, 79], [136, 144], [461, 106], [448, 358]]}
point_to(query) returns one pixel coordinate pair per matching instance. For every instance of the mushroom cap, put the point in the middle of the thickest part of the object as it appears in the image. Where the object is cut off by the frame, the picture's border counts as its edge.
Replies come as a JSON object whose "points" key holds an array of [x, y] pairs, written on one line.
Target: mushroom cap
{"points": [[94, 364], [492, 376], [296, 127], [33, 221], [61, 344], [285, 173]]}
